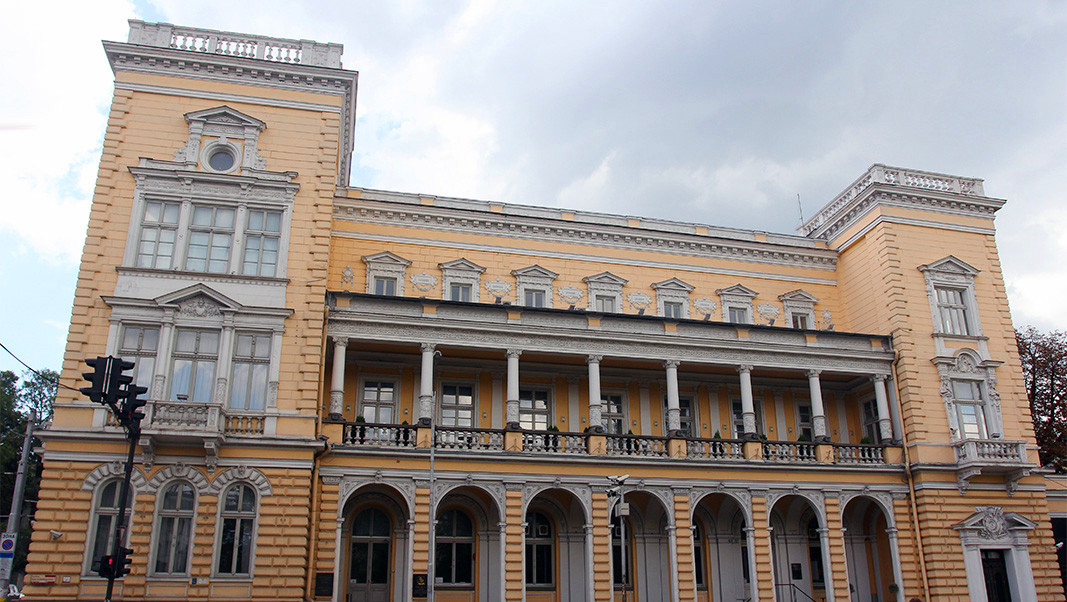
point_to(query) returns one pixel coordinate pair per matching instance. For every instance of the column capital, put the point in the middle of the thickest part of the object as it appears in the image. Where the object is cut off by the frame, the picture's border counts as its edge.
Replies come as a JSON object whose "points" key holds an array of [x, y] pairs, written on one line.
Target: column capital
{"points": [[879, 377], [813, 373], [514, 353], [428, 347], [340, 341], [668, 364], [744, 368], [593, 359]]}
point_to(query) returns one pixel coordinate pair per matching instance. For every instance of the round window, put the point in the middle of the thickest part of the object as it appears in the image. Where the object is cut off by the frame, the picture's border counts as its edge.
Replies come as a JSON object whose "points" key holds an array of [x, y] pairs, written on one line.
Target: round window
{"points": [[221, 159]]}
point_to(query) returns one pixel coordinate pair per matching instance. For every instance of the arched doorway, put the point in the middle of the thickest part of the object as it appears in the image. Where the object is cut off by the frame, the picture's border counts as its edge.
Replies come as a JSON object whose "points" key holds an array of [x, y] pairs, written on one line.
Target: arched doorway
{"points": [[647, 555], [797, 532], [555, 552], [722, 559], [374, 546], [867, 551], [467, 554]]}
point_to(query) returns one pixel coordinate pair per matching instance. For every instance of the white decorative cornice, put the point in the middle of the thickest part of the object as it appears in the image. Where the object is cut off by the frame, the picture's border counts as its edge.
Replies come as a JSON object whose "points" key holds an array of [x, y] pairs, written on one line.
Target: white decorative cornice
{"points": [[599, 231]]}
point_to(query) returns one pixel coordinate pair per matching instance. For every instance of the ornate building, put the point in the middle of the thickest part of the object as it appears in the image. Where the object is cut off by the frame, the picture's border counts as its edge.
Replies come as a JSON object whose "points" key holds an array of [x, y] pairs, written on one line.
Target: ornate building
{"points": [[359, 394]]}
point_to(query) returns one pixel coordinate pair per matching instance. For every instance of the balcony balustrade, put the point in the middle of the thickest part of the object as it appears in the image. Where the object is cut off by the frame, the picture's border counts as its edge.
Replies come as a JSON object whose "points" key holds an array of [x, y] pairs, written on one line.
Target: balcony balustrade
{"points": [[859, 454], [469, 438], [991, 456], [548, 442], [637, 445], [789, 451], [715, 449], [369, 434]]}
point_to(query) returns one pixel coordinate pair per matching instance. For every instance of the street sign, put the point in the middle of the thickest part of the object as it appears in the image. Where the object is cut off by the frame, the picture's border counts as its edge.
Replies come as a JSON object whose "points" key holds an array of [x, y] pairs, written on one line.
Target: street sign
{"points": [[7, 553]]}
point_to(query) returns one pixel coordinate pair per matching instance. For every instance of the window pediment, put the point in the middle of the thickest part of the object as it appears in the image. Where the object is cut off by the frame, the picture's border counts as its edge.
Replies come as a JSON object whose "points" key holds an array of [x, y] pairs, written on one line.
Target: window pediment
{"points": [[534, 271], [605, 278], [798, 296], [737, 290], [461, 265], [673, 284], [222, 140], [198, 299], [950, 265]]}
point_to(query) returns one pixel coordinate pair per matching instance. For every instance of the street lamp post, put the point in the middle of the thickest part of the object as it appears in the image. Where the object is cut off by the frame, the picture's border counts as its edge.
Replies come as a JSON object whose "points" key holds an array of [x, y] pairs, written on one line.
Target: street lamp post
{"points": [[621, 510]]}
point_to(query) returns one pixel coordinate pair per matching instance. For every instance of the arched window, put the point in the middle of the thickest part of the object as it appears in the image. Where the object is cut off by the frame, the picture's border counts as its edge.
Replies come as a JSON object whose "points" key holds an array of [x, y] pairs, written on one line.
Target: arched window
{"points": [[175, 529], [105, 513], [454, 549], [238, 523], [370, 550], [540, 557]]}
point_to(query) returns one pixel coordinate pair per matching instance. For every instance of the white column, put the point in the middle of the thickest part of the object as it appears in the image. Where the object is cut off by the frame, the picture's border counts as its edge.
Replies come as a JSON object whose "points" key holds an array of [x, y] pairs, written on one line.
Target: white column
{"points": [[748, 409], [885, 425], [223, 367], [166, 344], [818, 413], [596, 406], [827, 572], [502, 526], [674, 412], [426, 385], [672, 547], [894, 556], [337, 382], [753, 576], [513, 388]]}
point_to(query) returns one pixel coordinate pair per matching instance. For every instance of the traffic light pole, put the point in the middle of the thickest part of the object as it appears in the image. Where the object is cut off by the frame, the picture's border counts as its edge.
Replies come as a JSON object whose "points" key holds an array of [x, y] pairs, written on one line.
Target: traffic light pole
{"points": [[132, 432], [14, 520]]}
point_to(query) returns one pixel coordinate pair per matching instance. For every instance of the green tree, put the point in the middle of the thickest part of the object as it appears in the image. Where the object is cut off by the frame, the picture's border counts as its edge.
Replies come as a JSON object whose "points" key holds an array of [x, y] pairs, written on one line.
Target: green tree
{"points": [[1044, 359]]}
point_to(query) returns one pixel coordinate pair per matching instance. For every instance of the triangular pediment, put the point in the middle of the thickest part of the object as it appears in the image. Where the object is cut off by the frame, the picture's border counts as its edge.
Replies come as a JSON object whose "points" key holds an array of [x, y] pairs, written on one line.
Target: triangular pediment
{"points": [[799, 296], [737, 290], [224, 114], [200, 293], [605, 278], [386, 258], [535, 271], [950, 264], [993, 520], [462, 264], [673, 284]]}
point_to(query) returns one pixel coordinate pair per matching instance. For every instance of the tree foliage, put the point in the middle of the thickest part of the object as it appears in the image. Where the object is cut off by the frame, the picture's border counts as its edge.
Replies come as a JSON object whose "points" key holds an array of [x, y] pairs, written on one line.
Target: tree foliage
{"points": [[36, 391], [1044, 359]]}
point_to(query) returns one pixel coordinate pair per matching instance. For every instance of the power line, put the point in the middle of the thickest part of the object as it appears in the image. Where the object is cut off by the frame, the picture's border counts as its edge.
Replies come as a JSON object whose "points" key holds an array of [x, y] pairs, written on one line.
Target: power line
{"points": [[31, 369]]}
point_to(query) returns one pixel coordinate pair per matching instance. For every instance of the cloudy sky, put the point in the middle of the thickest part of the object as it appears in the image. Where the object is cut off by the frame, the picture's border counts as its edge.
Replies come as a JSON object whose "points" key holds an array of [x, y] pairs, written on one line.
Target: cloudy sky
{"points": [[717, 112]]}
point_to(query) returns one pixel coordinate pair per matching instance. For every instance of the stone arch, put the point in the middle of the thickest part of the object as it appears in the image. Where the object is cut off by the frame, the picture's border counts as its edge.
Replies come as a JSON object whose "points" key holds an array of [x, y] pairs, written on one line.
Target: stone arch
{"points": [[580, 494], [249, 475], [113, 470], [446, 488], [742, 502], [351, 486], [179, 471], [883, 502]]}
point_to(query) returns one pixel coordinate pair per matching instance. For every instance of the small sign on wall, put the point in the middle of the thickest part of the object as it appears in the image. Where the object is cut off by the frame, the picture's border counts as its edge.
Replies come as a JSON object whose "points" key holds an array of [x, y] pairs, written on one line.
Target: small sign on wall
{"points": [[324, 585], [419, 585]]}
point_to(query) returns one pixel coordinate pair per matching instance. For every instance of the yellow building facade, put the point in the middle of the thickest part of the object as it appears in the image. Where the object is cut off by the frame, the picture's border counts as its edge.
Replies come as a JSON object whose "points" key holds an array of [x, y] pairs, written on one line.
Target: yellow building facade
{"points": [[359, 394]]}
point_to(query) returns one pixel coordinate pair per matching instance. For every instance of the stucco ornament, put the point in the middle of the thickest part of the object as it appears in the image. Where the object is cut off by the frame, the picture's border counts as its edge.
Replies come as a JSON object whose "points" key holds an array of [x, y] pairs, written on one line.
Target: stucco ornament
{"points": [[423, 282], [347, 275], [570, 295], [639, 301], [769, 312], [827, 322], [992, 524], [498, 288], [705, 306]]}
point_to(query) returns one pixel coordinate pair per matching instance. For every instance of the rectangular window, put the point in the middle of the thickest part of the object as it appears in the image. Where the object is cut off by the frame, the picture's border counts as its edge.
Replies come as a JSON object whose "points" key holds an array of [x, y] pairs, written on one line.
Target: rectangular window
{"points": [[195, 355], [262, 236], [871, 431], [739, 422], [457, 405], [800, 321], [804, 426], [139, 345], [970, 409], [672, 309], [534, 298], [460, 292], [534, 409], [251, 363], [686, 415], [604, 303], [611, 416], [385, 286], [159, 230], [738, 315], [952, 310], [378, 402], [210, 238]]}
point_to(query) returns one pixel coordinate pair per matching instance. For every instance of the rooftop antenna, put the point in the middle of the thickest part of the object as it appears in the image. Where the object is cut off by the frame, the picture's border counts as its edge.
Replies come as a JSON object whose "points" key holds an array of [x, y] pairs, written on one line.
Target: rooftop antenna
{"points": [[801, 209]]}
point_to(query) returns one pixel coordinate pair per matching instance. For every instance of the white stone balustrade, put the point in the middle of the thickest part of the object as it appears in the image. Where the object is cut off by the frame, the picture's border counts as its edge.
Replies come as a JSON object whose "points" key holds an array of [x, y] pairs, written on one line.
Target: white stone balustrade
{"points": [[225, 43]]}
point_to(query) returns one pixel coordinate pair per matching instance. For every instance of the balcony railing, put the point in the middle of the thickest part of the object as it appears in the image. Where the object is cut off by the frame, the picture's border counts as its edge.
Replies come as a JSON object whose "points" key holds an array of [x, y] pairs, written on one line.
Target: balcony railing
{"points": [[715, 449], [859, 454], [554, 443], [182, 416], [469, 438], [991, 452], [244, 424], [789, 451], [636, 445], [380, 435], [209, 41]]}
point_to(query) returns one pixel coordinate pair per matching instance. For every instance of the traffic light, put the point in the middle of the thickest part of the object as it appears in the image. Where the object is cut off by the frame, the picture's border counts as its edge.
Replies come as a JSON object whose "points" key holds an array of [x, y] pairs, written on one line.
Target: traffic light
{"points": [[97, 378], [134, 403], [122, 562], [107, 567], [118, 380]]}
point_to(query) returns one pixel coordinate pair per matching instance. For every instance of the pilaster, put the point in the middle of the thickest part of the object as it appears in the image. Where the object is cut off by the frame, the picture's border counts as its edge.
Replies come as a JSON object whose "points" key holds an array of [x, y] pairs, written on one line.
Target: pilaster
{"points": [[835, 538], [513, 544], [761, 536], [602, 586], [684, 546]]}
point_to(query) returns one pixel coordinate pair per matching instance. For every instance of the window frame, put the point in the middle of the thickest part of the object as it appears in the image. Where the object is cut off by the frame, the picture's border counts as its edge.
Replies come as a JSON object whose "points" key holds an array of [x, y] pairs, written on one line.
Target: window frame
{"points": [[802, 426], [534, 278], [461, 272], [361, 400], [950, 273], [212, 231], [454, 541], [386, 265], [979, 402], [738, 421], [604, 285], [532, 411], [157, 532], [159, 227], [441, 405], [959, 310], [672, 290], [535, 542], [94, 523], [252, 360], [607, 416], [196, 357], [143, 375], [238, 515], [737, 297], [263, 235]]}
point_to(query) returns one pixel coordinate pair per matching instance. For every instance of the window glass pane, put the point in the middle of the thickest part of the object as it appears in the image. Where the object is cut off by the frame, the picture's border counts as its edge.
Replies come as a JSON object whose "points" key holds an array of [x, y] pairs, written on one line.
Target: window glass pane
{"points": [[226, 544], [379, 569], [274, 222]]}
